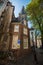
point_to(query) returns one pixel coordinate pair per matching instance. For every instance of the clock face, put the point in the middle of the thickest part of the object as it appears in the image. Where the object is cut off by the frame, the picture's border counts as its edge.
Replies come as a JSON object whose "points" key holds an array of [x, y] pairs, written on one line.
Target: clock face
{"points": [[16, 28]]}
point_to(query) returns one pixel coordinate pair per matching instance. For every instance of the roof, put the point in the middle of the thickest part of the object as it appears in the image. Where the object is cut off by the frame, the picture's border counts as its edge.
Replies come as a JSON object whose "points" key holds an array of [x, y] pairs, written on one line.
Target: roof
{"points": [[15, 20]]}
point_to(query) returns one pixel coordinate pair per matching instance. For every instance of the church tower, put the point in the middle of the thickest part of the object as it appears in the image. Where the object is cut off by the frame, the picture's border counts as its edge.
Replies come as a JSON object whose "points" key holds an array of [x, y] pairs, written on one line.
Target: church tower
{"points": [[23, 16]]}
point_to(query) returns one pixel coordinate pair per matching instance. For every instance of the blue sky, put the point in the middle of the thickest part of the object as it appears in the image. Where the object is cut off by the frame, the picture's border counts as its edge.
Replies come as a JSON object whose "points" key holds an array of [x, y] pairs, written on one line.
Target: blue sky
{"points": [[18, 5]]}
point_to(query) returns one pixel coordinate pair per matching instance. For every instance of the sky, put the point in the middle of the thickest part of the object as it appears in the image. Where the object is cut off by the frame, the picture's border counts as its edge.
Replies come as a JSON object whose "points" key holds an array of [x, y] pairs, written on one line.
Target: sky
{"points": [[18, 6]]}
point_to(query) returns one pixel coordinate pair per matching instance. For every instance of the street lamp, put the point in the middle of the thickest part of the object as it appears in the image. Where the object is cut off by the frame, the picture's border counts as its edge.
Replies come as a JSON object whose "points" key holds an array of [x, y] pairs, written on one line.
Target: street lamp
{"points": [[32, 38], [33, 48]]}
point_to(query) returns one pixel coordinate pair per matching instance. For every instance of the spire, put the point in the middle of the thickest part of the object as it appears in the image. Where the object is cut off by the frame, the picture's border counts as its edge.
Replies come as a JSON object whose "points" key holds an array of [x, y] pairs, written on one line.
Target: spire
{"points": [[23, 10]]}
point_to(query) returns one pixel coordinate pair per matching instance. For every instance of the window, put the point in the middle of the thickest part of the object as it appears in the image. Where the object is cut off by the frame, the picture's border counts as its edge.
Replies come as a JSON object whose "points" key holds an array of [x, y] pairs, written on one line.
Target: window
{"points": [[15, 44], [25, 31], [16, 28], [25, 43], [24, 22]]}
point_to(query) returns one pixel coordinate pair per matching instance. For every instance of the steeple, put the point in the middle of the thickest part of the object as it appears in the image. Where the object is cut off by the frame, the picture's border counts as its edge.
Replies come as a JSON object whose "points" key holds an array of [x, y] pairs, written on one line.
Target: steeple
{"points": [[23, 10], [23, 16]]}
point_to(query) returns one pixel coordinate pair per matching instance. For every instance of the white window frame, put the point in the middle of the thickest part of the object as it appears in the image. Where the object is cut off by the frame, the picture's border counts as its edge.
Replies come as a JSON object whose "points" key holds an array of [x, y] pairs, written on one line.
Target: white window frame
{"points": [[25, 42], [25, 31], [16, 28], [15, 44]]}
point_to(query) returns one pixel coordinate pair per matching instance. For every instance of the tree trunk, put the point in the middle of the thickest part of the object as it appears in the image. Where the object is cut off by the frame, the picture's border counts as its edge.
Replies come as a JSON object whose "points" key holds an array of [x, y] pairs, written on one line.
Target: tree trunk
{"points": [[42, 39], [42, 42], [36, 42]]}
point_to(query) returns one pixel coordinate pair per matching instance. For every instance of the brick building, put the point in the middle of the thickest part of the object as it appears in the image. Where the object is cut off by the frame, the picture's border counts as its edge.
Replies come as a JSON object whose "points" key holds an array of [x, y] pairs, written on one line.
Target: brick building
{"points": [[19, 34], [14, 32]]}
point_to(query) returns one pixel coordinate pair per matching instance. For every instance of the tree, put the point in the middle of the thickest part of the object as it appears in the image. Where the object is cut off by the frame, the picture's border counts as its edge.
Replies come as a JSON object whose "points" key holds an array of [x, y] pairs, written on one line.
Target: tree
{"points": [[35, 12], [37, 34]]}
